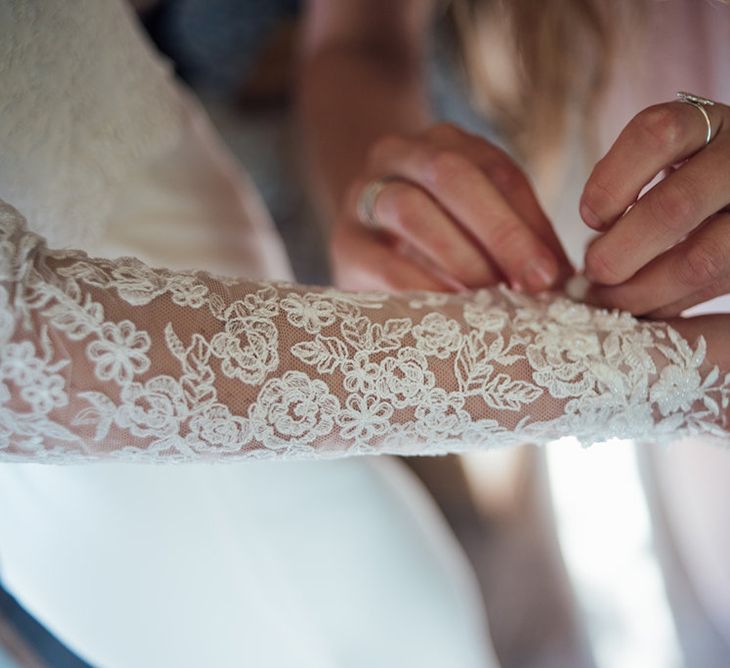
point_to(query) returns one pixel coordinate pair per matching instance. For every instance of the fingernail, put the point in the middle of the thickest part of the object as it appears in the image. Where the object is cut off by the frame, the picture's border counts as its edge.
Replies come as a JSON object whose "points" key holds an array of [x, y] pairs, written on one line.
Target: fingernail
{"points": [[540, 274], [589, 275], [590, 218], [517, 286]]}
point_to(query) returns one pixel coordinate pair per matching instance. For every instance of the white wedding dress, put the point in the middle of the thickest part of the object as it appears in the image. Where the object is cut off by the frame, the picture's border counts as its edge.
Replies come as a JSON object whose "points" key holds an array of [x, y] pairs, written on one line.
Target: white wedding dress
{"points": [[249, 562]]}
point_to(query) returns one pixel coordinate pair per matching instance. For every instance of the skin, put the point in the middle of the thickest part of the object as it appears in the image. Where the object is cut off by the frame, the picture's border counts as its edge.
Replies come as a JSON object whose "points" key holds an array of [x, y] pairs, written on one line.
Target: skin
{"points": [[671, 249], [460, 214]]}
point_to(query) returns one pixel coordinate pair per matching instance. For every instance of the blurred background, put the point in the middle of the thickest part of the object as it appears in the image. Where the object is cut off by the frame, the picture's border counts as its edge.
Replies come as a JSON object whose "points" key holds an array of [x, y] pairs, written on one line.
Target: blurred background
{"points": [[574, 557]]}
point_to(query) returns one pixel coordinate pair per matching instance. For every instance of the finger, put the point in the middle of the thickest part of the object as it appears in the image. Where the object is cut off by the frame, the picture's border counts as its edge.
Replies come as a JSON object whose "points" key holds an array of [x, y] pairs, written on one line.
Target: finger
{"points": [[432, 269], [698, 268], [662, 217], [515, 188], [466, 194], [365, 262], [408, 212], [655, 139], [445, 135], [677, 308], [509, 180]]}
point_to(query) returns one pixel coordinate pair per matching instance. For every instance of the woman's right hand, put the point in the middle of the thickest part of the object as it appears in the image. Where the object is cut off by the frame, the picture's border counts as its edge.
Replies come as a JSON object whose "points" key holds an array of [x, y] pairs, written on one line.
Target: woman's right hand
{"points": [[454, 212]]}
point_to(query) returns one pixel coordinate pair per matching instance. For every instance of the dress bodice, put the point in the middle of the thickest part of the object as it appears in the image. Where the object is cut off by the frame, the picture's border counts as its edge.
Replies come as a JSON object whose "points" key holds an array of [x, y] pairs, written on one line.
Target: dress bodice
{"points": [[84, 106]]}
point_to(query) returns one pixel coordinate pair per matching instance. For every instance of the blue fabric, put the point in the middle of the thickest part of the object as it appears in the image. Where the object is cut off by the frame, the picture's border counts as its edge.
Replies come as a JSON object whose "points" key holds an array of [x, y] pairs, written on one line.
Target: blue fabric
{"points": [[44, 645], [216, 43]]}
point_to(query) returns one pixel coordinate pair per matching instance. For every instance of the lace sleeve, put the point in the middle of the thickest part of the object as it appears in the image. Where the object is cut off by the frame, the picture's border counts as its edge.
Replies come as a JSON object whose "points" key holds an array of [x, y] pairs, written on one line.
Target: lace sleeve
{"points": [[113, 359]]}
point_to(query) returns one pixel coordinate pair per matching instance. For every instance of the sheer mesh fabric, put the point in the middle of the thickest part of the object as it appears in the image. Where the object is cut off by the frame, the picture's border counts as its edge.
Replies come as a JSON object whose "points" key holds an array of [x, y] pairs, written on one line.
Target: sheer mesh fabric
{"points": [[116, 360]]}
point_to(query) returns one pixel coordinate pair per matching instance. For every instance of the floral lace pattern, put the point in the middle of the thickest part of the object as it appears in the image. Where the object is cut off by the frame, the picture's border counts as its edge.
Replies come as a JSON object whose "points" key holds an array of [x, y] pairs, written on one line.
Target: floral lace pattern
{"points": [[114, 359]]}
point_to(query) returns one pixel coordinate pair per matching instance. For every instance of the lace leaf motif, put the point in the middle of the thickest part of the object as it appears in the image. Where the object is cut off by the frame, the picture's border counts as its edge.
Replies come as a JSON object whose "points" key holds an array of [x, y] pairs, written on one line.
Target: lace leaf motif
{"points": [[102, 358]]}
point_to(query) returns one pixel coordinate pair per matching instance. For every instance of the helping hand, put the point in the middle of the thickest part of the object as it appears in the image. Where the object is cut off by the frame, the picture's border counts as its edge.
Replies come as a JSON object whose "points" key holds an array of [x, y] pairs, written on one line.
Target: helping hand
{"points": [[671, 249], [453, 212]]}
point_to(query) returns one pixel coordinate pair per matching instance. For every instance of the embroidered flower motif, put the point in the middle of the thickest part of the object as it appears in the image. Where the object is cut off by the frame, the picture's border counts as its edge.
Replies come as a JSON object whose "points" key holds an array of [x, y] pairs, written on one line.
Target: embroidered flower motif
{"points": [[677, 388], [483, 315], [402, 438], [422, 299], [217, 429], [441, 414], [263, 303], [574, 345], [614, 321], [633, 421], [309, 311], [137, 283], [437, 335], [7, 322], [18, 362], [488, 433], [568, 312], [156, 408], [248, 348], [562, 357], [466, 380], [364, 417], [361, 374], [8, 259], [39, 387], [404, 379], [187, 291], [401, 380], [120, 353], [293, 411], [46, 392]]}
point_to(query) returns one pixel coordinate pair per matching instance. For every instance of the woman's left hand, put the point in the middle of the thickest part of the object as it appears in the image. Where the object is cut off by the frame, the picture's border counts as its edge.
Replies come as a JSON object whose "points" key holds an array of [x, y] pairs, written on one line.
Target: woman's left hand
{"points": [[671, 249]]}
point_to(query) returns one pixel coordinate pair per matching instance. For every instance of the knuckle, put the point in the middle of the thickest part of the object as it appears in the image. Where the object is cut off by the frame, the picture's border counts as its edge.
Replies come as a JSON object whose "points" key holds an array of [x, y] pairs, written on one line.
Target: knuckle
{"points": [[444, 167], [404, 204], [445, 131], [506, 177], [600, 196], [384, 147], [673, 204], [601, 266], [506, 236], [701, 266], [475, 274], [662, 126]]}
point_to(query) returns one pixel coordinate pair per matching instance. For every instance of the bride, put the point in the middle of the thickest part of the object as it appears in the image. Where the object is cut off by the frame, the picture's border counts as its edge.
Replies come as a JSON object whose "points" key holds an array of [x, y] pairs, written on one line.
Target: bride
{"points": [[265, 563]]}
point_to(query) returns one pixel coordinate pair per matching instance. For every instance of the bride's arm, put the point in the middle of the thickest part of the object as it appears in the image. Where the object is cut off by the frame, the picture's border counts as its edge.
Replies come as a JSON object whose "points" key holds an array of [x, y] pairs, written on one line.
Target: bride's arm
{"points": [[114, 359]]}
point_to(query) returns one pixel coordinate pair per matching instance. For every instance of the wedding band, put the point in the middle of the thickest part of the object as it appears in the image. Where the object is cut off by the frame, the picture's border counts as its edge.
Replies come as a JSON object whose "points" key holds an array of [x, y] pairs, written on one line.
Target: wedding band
{"points": [[366, 202], [700, 103]]}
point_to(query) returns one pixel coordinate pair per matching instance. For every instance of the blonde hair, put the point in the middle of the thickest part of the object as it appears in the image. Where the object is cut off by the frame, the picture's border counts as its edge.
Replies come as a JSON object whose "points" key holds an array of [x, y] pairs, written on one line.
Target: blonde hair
{"points": [[533, 68]]}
